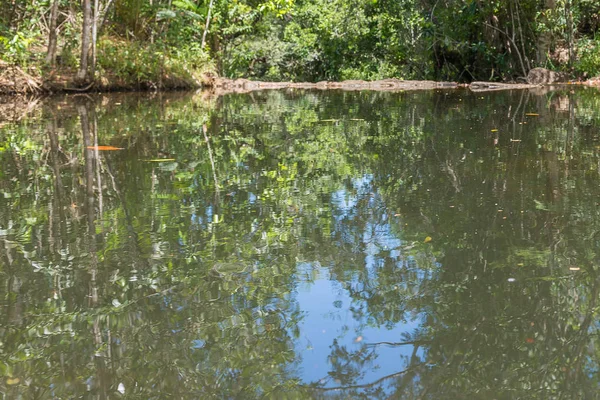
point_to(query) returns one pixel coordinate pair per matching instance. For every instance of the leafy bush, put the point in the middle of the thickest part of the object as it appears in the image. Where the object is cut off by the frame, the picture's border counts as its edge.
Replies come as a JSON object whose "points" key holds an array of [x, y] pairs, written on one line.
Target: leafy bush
{"points": [[152, 65], [588, 63]]}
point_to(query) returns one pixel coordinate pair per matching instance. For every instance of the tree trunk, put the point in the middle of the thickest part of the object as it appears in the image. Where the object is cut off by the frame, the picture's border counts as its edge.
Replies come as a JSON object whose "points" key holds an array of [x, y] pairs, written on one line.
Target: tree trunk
{"points": [[210, 6], [545, 38], [53, 35], [82, 74]]}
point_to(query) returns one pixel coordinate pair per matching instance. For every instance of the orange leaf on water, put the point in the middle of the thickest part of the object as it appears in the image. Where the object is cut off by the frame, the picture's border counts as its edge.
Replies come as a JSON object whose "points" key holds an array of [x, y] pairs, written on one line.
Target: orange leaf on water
{"points": [[104, 148], [530, 340]]}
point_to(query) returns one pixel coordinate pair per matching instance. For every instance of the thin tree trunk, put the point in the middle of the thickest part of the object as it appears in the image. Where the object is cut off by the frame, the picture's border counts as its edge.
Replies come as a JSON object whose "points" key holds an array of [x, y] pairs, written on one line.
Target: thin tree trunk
{"points": [[82, 74], [210, 6], [53, 35], [521, 36], [569, 17], [94, 37]]}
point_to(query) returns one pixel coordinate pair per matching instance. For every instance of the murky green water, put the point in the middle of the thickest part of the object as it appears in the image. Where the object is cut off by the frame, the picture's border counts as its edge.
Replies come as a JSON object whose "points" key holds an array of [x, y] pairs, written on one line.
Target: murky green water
{"points": [[430, 245]]}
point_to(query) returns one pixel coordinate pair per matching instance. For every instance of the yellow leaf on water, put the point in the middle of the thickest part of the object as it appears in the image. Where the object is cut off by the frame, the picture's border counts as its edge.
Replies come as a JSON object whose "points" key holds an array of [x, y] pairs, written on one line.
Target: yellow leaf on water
{"points": [[12, 381], [494, 130], [427, 239], [532, 114]]}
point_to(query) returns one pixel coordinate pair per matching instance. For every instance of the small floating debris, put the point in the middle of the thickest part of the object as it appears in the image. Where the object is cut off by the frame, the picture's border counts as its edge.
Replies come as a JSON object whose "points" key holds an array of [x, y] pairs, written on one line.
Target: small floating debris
{"points": [[511, 279], [427, 239], [160, 160], [574, 268], [515, 140], [532, 115], [494, 130], [12, 381], [104, 148]]}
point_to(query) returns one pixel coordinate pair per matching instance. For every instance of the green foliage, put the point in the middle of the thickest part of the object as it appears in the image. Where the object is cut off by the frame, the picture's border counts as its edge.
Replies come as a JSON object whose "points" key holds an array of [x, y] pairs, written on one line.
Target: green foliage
{"points": [[588, 61], [16, 49], [147, 65], [312, 40]]}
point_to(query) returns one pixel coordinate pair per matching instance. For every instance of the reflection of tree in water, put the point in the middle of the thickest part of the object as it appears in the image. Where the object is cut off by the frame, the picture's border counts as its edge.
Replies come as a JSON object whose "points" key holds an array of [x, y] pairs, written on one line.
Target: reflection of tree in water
{"points": [[486, 336], [123, 268]]}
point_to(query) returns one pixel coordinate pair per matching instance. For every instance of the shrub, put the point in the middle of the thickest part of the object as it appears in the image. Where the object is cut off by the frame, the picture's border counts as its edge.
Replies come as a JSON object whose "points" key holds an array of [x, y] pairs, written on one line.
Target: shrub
{"points": [[152, 65]]}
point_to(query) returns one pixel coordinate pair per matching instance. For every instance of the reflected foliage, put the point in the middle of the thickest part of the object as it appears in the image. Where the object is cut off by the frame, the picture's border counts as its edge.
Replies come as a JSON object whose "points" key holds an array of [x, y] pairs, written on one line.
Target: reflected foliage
{"points": [[465, 224]]}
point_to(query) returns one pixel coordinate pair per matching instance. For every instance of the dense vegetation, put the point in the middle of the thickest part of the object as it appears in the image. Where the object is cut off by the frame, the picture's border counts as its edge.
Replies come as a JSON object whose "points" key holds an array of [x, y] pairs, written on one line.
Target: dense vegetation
{"points": [[147, 41]]}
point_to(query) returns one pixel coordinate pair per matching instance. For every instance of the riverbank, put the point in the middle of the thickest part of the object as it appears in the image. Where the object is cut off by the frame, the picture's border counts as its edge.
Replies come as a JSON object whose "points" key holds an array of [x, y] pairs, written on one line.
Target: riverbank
{"points": [[17, 81], [14, 80]]}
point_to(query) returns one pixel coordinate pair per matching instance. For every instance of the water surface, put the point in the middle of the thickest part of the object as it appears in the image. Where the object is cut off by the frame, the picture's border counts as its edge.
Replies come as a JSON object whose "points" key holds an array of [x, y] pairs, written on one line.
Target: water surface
{"points": [[418, 245]]}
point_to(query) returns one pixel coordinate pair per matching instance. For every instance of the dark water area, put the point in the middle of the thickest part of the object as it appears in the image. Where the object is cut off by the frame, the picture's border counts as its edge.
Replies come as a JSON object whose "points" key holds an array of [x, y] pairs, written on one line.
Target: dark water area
{"points": [[302, 245]]}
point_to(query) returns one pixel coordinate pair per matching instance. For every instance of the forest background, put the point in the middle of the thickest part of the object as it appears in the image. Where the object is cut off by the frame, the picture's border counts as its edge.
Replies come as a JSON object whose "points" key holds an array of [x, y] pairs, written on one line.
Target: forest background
{"points": [[182, 43]]}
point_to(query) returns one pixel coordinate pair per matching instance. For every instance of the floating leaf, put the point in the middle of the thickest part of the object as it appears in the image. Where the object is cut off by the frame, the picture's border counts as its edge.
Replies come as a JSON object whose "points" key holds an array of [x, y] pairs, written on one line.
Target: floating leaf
{"points": [[427, 239], [532, 114], [168, 166], [12, 381], [104, 148], [574, 268], [160, 160], [494, 130], [540, 206], [530, 340]]}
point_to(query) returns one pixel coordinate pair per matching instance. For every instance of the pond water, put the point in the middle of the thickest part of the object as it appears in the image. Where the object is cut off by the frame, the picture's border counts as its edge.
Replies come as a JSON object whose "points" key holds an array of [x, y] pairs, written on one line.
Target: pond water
{"points": [[304, 244]]}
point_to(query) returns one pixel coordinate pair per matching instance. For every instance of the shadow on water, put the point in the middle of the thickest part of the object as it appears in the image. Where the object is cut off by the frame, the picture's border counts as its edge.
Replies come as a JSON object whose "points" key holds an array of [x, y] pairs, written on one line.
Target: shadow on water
{"points": [[439, 244]]}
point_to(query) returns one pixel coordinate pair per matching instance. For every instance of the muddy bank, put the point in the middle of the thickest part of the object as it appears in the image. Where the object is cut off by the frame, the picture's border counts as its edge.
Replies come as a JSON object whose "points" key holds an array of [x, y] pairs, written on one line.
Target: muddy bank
{"points": [[17, 81], [14, 80]]}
